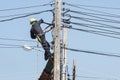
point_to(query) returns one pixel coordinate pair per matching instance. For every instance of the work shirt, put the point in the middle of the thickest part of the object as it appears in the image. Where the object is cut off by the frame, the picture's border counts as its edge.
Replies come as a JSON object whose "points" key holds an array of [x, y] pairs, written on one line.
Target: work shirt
{"points": [[36, 29]]}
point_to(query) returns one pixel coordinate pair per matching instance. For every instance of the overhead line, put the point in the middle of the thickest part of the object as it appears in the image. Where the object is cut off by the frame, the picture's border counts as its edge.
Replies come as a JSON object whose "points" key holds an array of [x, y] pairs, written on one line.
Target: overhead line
{"points": [[92, 52], [100, 19], [71, 49], [92, 10], [98, 25], [16, 46], [94, 15], [93, 32], [106, 31], [99, 14], [109, 26], [11, 45], [18, 8], [16, 14], [17, 39], [93, 6], [4, 20]]}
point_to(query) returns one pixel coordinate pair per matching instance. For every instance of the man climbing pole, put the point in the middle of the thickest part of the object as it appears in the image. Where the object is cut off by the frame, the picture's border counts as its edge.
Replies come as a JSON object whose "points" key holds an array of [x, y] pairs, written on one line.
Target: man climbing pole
{"points": [[37, 32]]}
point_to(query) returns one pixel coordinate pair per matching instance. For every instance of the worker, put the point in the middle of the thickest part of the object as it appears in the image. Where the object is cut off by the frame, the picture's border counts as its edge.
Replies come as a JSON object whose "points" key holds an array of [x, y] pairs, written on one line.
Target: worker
{"points": [[37, 32]]}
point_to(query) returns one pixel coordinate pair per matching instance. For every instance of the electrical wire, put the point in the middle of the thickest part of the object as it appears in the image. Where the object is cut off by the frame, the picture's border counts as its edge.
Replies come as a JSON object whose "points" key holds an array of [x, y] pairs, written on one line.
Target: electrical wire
{"points": [[4, 20], [23, 40], [98, 19], [92, 6], [98, 14], [106, 31], [16, 15], [71, 49], [11, 45], [93, 32], [17, 40], [105, 13], [34, 6], [15, 46], [92, 52], [92, 15], [101, 24]]}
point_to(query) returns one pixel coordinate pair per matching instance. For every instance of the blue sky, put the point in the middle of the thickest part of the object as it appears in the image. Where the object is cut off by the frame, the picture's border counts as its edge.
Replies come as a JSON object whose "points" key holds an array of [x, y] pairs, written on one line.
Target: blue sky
{"points": [[16, 63]]}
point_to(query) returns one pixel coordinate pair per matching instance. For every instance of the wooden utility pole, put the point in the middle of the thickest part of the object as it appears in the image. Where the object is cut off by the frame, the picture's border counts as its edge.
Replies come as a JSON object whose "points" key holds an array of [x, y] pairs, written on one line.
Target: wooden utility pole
{"points": [[57, 39]]}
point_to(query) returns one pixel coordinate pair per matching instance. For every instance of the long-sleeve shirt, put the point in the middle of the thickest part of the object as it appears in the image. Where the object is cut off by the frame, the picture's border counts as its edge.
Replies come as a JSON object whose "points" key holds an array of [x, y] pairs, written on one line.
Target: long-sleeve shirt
{"points": [[36, 29]]}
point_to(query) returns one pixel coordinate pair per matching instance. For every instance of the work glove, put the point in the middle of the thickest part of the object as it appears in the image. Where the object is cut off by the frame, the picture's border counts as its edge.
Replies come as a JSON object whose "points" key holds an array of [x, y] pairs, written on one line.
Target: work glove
{"points": [[41, 21]]}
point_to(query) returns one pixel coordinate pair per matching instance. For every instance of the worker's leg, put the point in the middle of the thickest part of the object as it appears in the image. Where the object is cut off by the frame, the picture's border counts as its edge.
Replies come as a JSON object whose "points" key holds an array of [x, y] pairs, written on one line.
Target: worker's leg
{"points": [[46, 47], [49, 66]]}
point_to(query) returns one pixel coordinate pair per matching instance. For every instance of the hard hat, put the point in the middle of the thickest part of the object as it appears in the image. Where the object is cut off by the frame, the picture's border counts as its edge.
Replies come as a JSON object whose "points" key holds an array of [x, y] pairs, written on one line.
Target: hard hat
{"points": [[32, 20]]}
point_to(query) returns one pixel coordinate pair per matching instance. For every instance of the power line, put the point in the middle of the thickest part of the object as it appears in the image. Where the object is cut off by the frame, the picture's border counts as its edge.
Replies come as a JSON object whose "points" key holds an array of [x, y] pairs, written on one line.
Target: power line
{"points": [[34, 6], [24, 16], [105, 13], [11, 45], [93, 32], [15, 46], [23, 40], [101, 24], [71, 49], [99, 14], [17, 40], [92, 52], [92, 6], [106, 31], [16, 15], [98, 19]]}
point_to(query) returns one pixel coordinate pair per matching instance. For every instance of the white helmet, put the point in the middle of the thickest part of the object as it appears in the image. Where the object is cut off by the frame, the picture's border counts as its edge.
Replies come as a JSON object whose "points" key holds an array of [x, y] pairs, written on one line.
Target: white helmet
{"points": [[32, 20]]}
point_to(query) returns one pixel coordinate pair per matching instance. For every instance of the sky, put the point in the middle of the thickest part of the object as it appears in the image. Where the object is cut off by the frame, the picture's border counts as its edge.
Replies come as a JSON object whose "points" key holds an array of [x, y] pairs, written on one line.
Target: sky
{"points": [[18, 64]]}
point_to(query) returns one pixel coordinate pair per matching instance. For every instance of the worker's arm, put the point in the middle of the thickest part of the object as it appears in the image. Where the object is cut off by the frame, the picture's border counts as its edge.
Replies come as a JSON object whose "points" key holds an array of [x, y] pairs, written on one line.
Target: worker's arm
{"points": [[40, 21], [47, 29]]}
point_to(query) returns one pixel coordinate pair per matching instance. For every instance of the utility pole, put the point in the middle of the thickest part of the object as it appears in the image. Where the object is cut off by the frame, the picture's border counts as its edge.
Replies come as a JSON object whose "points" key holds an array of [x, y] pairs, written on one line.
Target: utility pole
{"points": [[64, 53], [57, 39]]}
